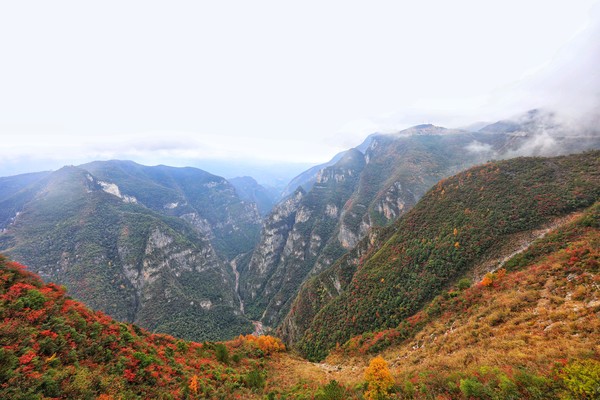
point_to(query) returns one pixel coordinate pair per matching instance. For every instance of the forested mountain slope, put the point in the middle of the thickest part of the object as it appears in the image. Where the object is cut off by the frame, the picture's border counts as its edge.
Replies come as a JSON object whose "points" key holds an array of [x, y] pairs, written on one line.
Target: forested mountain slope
{"points": [[398, 170], [445, 236], [208, 202], [529, 330]]}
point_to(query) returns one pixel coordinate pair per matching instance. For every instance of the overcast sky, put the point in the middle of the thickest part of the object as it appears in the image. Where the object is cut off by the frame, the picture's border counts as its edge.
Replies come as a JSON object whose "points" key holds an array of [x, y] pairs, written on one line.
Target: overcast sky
{"points": [[178, 81]]}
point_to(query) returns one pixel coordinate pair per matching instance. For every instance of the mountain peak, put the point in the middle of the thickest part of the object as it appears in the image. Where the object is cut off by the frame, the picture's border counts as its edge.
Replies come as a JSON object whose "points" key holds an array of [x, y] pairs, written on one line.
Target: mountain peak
{"points": [[424, 129], [352, 158]]}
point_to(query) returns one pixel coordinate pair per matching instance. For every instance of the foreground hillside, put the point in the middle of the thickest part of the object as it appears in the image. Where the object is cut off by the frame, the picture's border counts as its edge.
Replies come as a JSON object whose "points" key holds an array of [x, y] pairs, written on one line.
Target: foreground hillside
{"points": [[54, 347], [452, 232]]}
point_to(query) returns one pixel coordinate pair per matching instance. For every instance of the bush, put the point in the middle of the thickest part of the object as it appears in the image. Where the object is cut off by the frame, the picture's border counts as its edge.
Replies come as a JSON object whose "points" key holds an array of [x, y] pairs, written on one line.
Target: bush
{"points": [[255, 379], [471, 387], [8, 362], [221, 353], [332, 391], [464, 283], [582, 379]]}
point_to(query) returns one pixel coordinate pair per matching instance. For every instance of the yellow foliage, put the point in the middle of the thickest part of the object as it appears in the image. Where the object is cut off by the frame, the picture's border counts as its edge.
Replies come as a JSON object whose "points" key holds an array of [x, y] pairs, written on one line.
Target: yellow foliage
{"points": [[455, 231], [457, 245], [379, 379]]}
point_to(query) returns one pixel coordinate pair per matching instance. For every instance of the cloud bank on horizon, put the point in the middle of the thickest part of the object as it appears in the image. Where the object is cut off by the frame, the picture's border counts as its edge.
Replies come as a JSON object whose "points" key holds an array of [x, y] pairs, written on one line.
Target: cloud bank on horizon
{"points": [[177, 83]]}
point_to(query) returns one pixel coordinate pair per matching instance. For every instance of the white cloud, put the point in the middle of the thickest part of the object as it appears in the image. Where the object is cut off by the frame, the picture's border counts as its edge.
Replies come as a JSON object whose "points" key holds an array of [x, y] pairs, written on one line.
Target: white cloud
{"points": [[478, 147], [273, 80]]}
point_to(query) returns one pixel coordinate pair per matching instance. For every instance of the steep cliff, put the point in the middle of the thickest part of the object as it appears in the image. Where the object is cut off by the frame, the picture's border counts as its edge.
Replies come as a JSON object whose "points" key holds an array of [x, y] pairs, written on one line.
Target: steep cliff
{"points": [[293, 236]]}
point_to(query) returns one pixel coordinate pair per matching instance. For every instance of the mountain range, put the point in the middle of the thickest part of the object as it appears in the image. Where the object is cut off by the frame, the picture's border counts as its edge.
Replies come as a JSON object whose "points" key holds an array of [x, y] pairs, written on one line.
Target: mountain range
{"points": [[485, 289], [185, 252]]}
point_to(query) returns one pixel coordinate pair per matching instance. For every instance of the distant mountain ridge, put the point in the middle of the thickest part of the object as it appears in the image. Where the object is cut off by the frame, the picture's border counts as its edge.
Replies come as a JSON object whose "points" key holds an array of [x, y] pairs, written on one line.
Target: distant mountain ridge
{"points": [[399, 168], [307, 178], [208, 202], [177, 248], [149, 245], [396, 170], [251, 191]]}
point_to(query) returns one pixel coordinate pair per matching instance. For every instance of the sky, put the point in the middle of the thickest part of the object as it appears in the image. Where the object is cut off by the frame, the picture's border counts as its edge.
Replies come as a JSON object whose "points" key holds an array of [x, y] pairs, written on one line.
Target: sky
{"points": [[274, 82]]}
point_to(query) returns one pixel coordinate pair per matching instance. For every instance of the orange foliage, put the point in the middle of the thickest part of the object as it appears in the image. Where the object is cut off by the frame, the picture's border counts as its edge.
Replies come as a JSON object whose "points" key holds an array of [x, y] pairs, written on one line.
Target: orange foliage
{"points": [[268, 344], [194, 384], [491, 278], [486, 281]]}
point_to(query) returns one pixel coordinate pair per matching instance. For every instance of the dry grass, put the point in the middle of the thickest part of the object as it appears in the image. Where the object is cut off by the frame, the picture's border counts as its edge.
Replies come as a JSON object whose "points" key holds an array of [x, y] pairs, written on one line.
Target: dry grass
{"points": [[537, 319], [287, 371], [509, 331], [542, 316]]}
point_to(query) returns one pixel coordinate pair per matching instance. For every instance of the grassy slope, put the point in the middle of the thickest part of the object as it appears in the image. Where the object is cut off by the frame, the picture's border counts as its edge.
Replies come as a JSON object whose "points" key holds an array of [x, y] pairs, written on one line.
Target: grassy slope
{"points": [[452, 229], [531, 332], [523, 326]]}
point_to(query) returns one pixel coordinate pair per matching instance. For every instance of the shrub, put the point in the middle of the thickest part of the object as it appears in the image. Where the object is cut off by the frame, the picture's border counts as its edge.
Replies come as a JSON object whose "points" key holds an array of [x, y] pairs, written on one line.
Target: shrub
{"points": [[221, 353], [471, 387], [464, 283], [332, 391], [582, 379], [255, 379]]}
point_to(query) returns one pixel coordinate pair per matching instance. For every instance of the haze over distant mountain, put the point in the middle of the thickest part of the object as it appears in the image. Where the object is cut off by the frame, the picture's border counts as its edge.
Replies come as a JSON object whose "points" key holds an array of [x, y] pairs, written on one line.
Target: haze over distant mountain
{"points": [[268, 174], [307, 179], [250, 190]]}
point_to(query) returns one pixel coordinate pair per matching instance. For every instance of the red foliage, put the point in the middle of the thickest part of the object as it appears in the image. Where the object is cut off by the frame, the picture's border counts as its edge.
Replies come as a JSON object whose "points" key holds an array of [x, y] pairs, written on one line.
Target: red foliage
{"points": [[26, 358], [129, 375]]}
